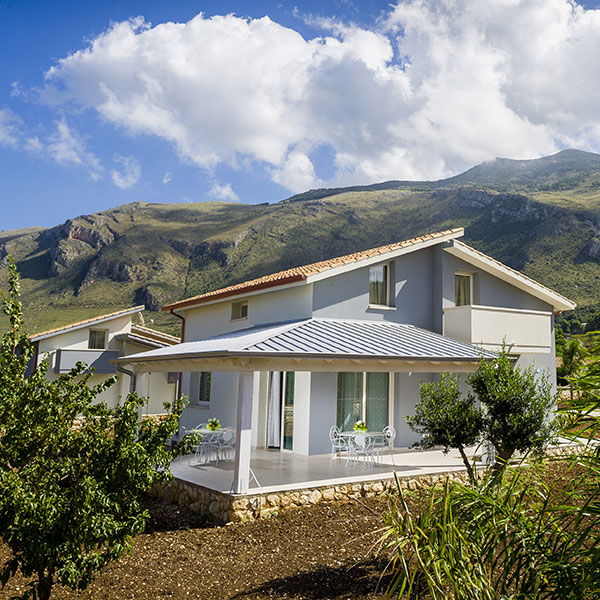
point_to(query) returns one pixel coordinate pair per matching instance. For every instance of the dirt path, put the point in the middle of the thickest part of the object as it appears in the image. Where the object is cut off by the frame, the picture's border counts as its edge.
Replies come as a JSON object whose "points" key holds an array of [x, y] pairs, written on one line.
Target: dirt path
{"points": [[322, 552]]}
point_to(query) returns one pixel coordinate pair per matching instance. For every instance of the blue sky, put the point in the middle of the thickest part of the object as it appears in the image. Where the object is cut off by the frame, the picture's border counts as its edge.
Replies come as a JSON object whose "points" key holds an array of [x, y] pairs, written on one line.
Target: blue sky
{"points": [[105, 103]]}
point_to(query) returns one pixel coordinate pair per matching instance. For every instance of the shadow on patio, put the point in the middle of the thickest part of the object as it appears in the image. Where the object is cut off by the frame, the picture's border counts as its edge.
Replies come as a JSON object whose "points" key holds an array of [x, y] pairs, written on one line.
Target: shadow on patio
{"points": [[276, 471]]}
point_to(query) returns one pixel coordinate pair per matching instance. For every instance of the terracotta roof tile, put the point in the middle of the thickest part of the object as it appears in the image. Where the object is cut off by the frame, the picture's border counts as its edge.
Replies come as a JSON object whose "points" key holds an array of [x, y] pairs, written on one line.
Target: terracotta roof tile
{"points": [[302, 272]]}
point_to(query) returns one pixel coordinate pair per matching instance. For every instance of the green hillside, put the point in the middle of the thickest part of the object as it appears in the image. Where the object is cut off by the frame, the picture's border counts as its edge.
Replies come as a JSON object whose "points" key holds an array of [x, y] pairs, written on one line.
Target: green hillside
{"points": [[539, 216]]}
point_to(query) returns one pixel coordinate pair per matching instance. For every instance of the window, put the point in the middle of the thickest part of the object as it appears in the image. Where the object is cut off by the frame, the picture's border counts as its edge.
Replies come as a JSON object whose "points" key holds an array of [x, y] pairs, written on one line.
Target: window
{"points": [[462, 289], [200, 389], [379, 285], [239, 310], [363, 397], [97, 339]]}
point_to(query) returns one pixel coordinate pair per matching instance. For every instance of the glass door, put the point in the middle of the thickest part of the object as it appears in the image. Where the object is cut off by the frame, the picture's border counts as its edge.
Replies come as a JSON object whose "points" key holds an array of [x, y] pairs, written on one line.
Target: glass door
{"points": [[288, 411], [377, 401], [363, 397], [349, 400]]}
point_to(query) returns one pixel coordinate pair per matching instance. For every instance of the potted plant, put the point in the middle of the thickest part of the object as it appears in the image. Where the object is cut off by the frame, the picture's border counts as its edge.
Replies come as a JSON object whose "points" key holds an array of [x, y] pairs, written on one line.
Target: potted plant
{"points": [[213, 424], [360, 426]]}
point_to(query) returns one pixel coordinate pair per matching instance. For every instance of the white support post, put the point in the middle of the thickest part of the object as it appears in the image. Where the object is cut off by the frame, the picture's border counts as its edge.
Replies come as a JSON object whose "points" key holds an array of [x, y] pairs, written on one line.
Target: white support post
{"points": [[243, 442]]}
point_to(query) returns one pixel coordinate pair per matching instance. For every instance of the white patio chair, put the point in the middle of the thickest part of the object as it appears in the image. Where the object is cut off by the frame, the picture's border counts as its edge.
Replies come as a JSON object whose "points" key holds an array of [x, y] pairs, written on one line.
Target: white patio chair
{"points": [[362, 444], [208, 447], [194, 450], [226, 443], [389, 435], [338, 443]]}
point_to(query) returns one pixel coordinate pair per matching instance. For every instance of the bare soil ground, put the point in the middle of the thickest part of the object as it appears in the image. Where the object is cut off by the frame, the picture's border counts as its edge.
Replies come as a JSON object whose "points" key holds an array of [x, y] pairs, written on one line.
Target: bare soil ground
{"points": [[321, 552]]}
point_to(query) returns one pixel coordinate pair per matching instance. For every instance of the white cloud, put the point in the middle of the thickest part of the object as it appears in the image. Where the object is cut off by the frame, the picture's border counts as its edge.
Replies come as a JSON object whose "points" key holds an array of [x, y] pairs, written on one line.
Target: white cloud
{"points": [[223, 192], [441, 85], [167, 178], [66, 147], [130, 172], [9, 128]]}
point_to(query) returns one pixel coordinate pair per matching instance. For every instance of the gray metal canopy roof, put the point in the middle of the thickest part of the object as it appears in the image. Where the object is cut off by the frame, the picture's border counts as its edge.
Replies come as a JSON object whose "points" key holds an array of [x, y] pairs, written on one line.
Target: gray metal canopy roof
{"points": [[321, 339]]}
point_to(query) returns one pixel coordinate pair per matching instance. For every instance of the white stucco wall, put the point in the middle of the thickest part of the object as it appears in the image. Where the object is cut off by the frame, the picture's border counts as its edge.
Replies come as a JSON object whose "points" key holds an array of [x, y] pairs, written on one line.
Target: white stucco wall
{"points": [[78, 340], [346, 296], [272, 306], [222, 404], [323, 411], [302, 406]]}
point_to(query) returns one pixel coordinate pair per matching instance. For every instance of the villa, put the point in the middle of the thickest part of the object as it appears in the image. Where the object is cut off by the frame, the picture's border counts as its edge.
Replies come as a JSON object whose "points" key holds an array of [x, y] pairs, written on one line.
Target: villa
{"points": [[285, 357], [98, 341]]}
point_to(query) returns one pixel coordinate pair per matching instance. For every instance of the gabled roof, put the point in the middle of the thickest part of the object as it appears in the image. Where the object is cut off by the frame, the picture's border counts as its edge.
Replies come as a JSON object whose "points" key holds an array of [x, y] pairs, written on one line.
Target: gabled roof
{"points": [[87, 322], [327, 339], [322, 269], [501, 271]]}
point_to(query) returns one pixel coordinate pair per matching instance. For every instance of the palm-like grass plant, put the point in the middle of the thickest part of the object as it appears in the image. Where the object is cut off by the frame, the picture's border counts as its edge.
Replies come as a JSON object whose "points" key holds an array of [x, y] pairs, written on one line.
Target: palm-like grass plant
{"points": [[533, 534]]}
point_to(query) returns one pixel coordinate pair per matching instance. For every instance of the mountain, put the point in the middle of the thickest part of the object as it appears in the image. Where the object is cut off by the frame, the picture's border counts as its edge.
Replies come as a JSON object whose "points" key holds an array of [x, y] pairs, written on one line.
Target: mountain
{"points": [[539, 216]]}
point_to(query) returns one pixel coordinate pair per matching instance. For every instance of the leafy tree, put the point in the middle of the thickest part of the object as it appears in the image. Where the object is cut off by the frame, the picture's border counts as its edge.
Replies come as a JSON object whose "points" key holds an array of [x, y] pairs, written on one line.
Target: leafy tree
{"points": [[532, 534], [573, 354], [69, 496], [517, 405], [445, 418]]}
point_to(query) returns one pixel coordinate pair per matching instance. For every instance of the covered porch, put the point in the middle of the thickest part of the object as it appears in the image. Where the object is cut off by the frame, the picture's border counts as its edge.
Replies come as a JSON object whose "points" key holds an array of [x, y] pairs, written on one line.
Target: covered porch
{"points": [[318, 352], [274, 471]]}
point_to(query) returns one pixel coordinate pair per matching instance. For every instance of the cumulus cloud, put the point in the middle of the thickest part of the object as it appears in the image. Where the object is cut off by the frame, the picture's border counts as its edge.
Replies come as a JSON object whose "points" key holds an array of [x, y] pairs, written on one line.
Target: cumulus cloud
{"points": [[66, 147], [223, 192], [439, 86], [9, 128], [62, 145], [129, 174]]}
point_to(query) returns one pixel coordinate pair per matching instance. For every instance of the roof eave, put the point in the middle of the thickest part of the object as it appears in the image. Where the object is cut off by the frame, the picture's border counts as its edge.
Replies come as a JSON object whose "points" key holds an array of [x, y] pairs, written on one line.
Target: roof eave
{"points": [[390, 255], [420, 243], [227, 355], [36, 337], [488, 264], [247, 291]]}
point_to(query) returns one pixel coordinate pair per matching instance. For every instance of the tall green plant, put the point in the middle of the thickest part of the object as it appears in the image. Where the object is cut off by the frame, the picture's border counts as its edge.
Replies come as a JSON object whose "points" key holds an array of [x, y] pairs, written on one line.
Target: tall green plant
{"points": [[517, 403], [69, 497], [445, 418], [532, 533], [573, 354]]}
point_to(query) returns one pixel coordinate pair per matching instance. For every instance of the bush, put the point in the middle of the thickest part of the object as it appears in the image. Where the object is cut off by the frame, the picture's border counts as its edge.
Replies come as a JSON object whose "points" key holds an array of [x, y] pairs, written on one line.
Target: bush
{"points": [[69, 497]]}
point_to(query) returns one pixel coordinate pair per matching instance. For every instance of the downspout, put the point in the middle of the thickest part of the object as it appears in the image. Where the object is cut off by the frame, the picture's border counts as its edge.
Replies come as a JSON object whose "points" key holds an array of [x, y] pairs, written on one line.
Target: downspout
{"points": [[36, 354], [182, 337], [132, 377], [172, 311]]}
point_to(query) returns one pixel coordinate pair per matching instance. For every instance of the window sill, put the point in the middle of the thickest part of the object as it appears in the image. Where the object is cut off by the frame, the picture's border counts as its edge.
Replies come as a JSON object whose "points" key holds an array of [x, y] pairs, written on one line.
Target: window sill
{"points": [[380, 307], [200, 405], [237, 320]]}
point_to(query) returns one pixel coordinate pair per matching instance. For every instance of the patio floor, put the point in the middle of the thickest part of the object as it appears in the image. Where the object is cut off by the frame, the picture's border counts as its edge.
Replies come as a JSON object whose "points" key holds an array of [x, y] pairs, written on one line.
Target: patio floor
{"points": [[282, 471]]}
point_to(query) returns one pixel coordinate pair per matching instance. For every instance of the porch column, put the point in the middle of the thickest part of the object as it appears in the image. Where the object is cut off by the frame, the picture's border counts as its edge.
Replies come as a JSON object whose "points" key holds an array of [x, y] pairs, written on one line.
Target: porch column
{"points": [[243, 442]]}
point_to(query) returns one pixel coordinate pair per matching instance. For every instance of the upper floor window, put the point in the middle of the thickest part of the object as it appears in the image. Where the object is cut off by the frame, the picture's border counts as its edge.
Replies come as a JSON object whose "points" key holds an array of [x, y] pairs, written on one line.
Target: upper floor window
{"points": [[97, 339], [379, 285], [239, 310], [463, 289], [200, 389]]}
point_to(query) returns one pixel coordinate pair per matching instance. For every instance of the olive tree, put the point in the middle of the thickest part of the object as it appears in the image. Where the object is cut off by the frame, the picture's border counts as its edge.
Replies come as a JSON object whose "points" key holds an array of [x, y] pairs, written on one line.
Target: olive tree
{"points": [[69, 496], [510, 409], [447, 418], [517, 407]]}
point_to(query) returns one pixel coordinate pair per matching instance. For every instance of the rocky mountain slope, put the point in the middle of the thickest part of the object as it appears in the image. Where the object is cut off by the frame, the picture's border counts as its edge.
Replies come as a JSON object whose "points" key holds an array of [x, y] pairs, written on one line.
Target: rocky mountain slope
{"points": [[539, 216]]}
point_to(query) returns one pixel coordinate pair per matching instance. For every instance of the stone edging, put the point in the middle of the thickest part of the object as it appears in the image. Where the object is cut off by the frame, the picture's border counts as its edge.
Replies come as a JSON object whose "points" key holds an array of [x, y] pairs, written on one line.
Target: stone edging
{"points": [[226, 508]]}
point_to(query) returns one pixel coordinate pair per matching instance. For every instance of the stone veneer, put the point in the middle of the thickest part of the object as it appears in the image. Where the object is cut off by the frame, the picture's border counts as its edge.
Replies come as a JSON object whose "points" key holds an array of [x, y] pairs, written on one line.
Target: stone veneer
{"points": [[235, 508]]}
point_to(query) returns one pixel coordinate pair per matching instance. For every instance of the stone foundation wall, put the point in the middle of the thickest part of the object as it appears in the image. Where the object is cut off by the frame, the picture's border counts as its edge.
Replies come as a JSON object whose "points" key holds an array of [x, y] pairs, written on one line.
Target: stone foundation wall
{"points": [[235, 508]]}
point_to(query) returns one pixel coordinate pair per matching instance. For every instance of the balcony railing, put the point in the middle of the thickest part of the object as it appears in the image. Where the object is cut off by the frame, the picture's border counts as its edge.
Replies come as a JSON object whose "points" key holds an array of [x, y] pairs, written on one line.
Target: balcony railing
{"points": [[66, 359], [488, 326]]}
